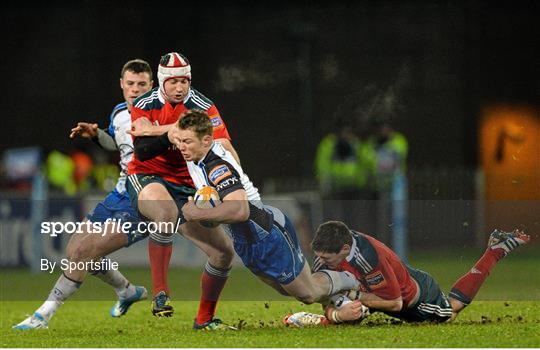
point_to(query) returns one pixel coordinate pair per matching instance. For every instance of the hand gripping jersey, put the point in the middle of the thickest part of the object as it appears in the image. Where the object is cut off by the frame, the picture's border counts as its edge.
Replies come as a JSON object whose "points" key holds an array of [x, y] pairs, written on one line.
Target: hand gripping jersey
{"points": [[379, 270], [119, 125], [170, 165]]}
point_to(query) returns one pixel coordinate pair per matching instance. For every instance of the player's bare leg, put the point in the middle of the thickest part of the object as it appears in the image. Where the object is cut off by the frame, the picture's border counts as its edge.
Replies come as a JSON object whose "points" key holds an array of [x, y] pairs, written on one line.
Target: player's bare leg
{"points": [[309, 288], [156, 204], [94, 246], [86, 247], [275, 285], [215, 243], [499, 245]]}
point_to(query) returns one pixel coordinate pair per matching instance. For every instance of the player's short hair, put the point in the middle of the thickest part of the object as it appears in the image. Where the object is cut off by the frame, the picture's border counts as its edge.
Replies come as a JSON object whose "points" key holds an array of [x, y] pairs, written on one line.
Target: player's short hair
{"points": [[330, 237], [137, 66], [198, 121]]}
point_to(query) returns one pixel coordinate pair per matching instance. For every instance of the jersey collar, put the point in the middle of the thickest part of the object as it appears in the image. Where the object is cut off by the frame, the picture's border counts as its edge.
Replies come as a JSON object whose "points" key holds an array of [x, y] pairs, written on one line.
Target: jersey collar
{"points": [[201, 162], [161, 96], [353, 248]]}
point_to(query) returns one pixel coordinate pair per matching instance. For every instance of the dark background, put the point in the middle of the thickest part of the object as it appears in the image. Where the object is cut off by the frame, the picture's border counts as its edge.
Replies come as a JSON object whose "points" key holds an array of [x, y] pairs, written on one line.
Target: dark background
{"points": [[279, 73]]}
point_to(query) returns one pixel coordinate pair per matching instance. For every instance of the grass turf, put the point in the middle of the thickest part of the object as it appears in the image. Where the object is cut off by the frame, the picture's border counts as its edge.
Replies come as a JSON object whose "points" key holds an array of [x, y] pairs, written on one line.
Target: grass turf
{"points": [[506, 313]]}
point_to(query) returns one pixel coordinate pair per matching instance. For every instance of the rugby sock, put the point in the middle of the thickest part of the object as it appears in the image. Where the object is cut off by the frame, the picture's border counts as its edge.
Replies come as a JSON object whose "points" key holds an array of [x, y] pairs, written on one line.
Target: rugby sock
{"points": [[212, 282], [114, 278], [340, 280], [467, 286], [61, 291], [159, 253]]}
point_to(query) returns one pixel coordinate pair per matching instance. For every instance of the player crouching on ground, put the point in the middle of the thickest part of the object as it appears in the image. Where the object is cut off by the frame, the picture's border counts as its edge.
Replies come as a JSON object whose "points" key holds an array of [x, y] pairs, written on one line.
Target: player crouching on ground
{"points": [[263, 236], [391, 286]]}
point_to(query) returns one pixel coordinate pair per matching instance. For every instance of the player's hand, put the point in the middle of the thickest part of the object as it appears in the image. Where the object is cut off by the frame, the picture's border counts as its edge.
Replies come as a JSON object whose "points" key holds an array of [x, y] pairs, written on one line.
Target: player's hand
{"points": [[351, 311], [141, 127], [172, 134], [190, 210], [86, 130]]}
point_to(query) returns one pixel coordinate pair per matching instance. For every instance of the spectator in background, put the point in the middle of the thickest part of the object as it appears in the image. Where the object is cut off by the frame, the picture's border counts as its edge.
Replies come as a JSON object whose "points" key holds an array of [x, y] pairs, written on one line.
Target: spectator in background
{"points": [[342, 173], [59, 170], [385, 150]]}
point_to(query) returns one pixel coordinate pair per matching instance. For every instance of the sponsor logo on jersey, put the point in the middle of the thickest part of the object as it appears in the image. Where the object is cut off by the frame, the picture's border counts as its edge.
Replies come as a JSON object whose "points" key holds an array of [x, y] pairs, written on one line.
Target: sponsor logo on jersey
{"points": [[147, 178], [227, 183], [376, 280], [216, 121], [219, 173]]}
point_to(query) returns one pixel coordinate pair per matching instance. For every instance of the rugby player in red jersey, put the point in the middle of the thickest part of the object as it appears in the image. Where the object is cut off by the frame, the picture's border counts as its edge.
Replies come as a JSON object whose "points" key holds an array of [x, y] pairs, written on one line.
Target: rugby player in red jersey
{"points": [[159, 184], [391, 286]]}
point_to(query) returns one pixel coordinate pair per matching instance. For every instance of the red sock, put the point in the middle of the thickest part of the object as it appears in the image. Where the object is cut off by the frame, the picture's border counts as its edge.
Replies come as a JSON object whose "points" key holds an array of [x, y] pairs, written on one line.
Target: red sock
{"points": [[160, 256], [212, 284], [467, 286]]}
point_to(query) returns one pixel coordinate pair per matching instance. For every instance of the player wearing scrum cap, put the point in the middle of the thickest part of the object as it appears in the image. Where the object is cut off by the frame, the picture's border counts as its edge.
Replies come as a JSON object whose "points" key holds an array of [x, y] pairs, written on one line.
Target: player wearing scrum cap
{"points": [[159, 184]]}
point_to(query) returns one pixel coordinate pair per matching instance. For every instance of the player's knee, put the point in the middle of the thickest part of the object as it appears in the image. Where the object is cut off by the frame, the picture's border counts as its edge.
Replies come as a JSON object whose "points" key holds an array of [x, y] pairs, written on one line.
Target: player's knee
{"points": [[167, 216], [222, 258], [79, 252]]}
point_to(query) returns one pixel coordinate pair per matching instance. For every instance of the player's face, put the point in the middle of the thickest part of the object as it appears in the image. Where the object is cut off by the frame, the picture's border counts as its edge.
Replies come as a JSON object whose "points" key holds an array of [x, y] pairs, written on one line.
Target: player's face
{"points": [[332, 260], [176, 89], [192, 148], [134, 85]]}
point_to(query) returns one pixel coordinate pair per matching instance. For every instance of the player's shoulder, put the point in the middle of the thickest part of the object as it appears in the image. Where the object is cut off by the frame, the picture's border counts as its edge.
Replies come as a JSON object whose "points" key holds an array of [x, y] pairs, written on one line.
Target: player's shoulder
{"points": [[119, 108], [196, 100], [365, 252], [149, 100], [218, 166]]}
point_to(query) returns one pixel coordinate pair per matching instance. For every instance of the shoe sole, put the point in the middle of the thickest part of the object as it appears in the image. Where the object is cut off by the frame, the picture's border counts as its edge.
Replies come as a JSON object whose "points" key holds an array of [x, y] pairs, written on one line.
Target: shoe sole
{"points": [[164, 313]]}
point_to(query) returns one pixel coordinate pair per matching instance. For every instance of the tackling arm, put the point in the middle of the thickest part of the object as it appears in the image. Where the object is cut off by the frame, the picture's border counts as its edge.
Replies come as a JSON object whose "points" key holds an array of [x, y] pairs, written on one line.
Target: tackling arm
{"points": [[386, 291], [148, 147], [374, 302]]}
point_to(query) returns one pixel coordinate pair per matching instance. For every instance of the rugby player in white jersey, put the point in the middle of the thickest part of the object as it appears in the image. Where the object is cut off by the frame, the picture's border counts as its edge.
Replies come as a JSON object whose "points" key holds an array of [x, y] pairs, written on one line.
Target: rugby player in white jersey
{"points": [[89, 246], [263, 236]]}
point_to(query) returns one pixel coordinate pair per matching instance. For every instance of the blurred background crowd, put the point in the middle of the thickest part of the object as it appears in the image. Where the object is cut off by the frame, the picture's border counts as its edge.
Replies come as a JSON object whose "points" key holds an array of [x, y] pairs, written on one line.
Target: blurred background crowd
{"points": [[341, 109]]}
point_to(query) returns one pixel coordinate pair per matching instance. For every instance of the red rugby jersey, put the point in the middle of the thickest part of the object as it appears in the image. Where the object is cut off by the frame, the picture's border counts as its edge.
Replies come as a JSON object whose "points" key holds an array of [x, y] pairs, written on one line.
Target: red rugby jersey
{"points": [[170, 165], [379, 270]]}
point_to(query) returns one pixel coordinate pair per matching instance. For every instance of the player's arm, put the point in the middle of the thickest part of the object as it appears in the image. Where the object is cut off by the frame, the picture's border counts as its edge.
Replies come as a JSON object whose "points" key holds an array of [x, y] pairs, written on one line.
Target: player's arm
{"points": [[93, 132], [373, 301], [147, 147], [350, 312], [235, 208], [386, 291], [142, 127]]}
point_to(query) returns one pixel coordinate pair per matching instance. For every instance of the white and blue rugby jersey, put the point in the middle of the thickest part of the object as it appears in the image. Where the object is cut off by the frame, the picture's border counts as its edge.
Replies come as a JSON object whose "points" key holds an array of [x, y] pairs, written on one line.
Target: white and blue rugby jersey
{"points": [[118, 127], [219, 169]]}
